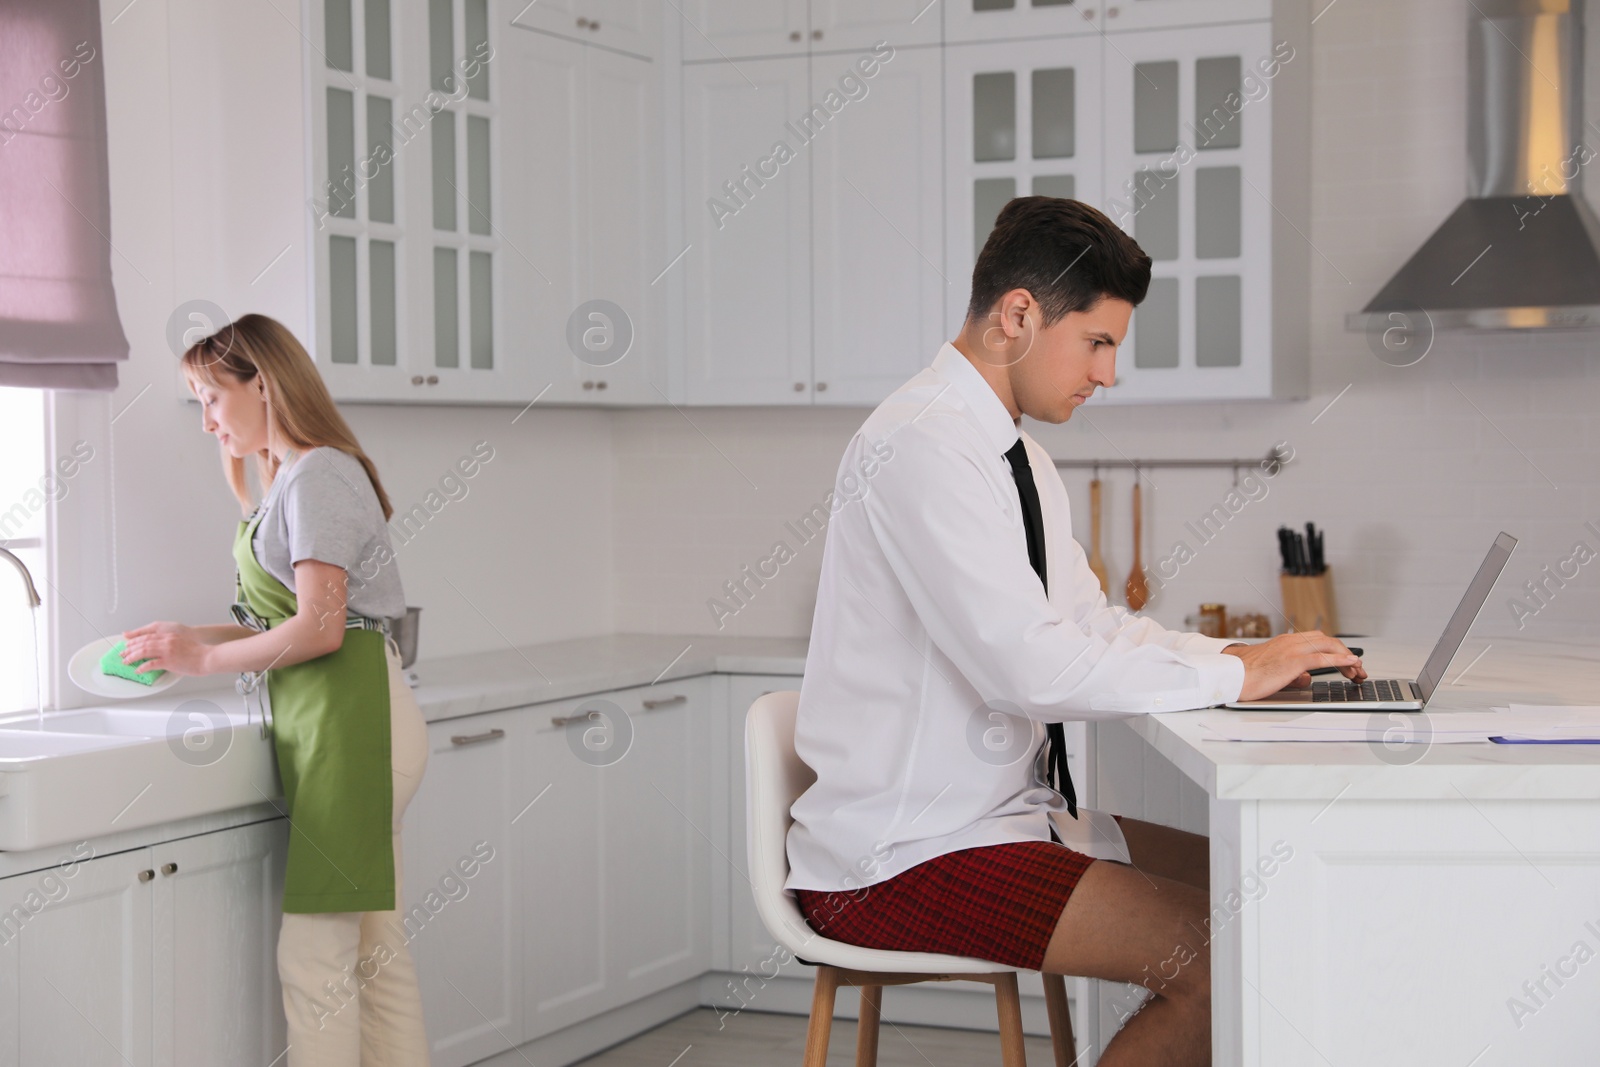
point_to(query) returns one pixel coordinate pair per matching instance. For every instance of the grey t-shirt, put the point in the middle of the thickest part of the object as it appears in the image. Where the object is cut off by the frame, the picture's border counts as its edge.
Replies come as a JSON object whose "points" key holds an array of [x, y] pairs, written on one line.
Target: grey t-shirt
{"points": [[322, 506]]}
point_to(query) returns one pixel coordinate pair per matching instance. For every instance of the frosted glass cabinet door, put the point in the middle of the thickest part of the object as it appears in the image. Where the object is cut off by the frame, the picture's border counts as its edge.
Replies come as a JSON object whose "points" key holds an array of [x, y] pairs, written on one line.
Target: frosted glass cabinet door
{"points": [[877, 236], [747, 214], [1148, 14], [1188, 165], [720, 30], [994, 20], [1021, 119]]}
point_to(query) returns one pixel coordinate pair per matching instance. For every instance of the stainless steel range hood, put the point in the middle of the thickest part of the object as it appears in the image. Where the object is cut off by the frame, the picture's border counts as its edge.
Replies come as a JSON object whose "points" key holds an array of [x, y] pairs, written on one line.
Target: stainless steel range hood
{"points": [[1521, 251]]}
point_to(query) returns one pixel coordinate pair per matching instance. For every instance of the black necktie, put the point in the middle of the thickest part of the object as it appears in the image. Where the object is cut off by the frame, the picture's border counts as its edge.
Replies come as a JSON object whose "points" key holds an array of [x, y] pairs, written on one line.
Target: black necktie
{"points": [[1033, 524]]}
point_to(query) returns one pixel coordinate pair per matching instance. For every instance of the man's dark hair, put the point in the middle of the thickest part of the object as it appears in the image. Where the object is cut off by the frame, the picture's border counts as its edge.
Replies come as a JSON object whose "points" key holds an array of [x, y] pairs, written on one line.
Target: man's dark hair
{"points": [[1064, 252]]}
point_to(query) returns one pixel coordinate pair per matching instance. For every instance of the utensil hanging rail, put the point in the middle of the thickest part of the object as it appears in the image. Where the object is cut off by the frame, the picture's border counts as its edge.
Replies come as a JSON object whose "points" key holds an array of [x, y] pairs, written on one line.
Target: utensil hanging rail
{"points": [[1271, 463]]}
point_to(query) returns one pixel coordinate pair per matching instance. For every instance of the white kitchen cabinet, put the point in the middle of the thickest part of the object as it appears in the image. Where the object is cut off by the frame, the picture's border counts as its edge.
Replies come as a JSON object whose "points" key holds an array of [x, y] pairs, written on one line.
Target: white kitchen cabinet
{"points": [[748, 269], [858, 25], [1189, 173], [727, 30], [584, 219], [160, 955], [720, 30], [613, 853], [878, 231], [992, 20], [75, 987], [464, 930], [657, 852], [632, 26], [1146, 14], [560, 847], [1022, 119], [218, 907]]}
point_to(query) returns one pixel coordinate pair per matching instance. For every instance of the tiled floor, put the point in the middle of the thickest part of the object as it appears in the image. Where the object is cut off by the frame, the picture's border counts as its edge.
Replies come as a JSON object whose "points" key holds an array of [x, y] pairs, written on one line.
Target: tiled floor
{"points": [[754, 1039]]}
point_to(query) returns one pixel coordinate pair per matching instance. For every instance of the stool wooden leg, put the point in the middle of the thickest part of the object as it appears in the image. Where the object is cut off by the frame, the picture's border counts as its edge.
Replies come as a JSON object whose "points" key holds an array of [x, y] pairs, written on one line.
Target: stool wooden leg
{"points": [[1055, 999], [867, 1032], [1009, 1005], [822, 998]]}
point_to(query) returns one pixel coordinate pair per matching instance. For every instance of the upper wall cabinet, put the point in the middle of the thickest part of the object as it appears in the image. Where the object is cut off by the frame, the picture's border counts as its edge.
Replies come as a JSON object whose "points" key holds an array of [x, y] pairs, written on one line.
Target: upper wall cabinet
{"points": [[992, 20], [490, 213], [585, 219], [878, 288], [632, 26], [1184, 152], [731, 29], [408, 252], [1189, 173], [1022, 119], [748, 276]]}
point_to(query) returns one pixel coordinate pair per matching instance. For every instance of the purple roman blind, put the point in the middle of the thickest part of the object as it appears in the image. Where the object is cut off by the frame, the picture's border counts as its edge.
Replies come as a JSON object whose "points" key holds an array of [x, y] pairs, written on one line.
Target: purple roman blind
{"points": [[58, 315]]}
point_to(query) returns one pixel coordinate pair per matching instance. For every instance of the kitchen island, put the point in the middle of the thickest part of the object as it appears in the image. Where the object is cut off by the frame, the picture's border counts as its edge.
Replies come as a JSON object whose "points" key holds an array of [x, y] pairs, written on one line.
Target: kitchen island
{"points": [[1405, 903]]}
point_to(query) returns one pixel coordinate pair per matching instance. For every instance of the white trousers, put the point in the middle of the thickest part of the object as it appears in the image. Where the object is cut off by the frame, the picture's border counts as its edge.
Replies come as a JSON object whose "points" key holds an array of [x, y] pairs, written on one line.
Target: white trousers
{"points": [[349, 984]]}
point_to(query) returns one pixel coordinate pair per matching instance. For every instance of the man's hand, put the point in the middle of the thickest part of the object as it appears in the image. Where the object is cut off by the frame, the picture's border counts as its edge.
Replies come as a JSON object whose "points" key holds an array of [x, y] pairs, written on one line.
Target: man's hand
{"points": [[1288, 659]]}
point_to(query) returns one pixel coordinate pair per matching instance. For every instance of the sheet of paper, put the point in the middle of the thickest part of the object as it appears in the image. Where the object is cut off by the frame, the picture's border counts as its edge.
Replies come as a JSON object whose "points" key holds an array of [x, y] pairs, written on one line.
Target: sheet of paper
{"points": [[1553, 722]]}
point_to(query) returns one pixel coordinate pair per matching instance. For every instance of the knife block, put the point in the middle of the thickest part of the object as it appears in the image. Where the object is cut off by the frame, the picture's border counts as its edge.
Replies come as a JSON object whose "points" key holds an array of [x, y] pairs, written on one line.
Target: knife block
{"points": [[1308, 601]]}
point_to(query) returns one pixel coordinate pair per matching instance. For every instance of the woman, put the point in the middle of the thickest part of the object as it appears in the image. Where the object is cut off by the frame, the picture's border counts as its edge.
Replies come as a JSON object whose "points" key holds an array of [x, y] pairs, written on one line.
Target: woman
{"points": [[349, 736]]}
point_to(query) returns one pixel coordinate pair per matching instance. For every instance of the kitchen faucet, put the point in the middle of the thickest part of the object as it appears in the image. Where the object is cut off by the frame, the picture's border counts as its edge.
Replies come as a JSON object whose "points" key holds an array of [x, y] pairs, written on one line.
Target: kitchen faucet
{"points": [[27, 579]]}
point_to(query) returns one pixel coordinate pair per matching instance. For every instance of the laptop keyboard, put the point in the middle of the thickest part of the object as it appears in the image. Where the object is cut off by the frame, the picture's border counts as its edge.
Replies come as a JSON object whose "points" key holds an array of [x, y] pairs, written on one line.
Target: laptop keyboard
{"points": [[1382, 689]]}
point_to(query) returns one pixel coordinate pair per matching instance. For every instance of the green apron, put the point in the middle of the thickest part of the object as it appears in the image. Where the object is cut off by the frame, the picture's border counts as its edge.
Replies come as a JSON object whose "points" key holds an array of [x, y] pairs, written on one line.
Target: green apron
{"points": [[330, 729]]}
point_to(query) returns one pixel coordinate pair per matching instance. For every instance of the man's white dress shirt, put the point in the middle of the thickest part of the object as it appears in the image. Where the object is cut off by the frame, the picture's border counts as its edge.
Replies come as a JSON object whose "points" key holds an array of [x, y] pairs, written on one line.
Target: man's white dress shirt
{"points": [[936, 657]]}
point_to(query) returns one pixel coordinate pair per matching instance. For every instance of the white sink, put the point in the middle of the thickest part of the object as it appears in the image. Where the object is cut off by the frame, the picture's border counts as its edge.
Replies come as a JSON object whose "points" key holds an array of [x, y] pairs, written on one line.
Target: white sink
{"points": [[17, 745], [95, 771]]}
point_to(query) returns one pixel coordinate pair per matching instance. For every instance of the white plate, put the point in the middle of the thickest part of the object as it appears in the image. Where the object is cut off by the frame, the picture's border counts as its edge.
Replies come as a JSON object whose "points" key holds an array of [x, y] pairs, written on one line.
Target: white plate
{"points": [[84, 670]]}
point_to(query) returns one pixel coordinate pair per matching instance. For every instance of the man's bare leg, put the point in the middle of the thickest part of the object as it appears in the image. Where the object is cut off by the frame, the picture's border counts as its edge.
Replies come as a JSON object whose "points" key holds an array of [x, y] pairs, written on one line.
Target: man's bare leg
{"points": [[1134, 925], [1168, 853]]}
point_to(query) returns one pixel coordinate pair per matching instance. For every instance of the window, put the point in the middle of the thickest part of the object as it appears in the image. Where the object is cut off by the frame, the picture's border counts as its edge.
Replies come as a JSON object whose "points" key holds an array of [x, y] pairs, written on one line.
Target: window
{"points": [[25, 493], [404, 215]]}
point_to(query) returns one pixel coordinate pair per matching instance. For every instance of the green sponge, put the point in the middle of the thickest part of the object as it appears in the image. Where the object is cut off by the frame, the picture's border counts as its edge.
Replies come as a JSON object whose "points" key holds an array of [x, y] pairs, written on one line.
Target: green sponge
{"points": [[111, 663]]}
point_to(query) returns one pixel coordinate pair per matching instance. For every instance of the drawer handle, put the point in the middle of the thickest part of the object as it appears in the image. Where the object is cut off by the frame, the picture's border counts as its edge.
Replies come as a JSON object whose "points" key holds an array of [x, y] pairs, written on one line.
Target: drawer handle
{"points": [[473, 739], [568, 720], [663, 702], [169, 869], [145, 876]]}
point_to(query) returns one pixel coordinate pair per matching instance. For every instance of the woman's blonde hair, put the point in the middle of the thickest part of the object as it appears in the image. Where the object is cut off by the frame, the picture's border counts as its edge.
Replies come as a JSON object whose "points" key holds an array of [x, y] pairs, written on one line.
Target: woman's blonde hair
{"points": [[300, 413]]}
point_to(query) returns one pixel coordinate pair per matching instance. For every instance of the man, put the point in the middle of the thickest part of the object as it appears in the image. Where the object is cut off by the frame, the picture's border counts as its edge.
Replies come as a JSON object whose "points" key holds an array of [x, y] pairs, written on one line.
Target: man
{"points": [[956, 618]]}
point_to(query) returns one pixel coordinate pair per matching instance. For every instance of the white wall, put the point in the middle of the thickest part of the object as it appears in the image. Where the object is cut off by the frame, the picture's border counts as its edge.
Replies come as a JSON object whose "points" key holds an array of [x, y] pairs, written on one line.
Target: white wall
{"points": [[1389, 85]]}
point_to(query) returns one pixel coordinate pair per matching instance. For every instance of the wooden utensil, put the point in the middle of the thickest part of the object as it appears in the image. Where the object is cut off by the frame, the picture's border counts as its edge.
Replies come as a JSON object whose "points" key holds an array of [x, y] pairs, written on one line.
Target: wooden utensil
{"points": [[1096, 562], [1138, 592]]}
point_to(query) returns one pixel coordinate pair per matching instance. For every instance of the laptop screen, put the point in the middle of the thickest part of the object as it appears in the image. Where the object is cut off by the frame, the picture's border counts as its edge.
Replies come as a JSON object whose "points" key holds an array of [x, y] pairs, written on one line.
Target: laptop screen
{"points": [[1466, 613]]}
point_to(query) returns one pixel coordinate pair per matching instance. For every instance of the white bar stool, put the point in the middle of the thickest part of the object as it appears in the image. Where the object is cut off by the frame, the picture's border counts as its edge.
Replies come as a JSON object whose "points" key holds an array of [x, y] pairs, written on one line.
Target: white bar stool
{"points": [[775, 777]]}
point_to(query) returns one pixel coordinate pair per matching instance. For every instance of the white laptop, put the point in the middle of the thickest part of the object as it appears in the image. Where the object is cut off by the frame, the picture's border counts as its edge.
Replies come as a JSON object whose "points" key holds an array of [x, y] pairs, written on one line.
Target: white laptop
{"points": [[1393, 694]]}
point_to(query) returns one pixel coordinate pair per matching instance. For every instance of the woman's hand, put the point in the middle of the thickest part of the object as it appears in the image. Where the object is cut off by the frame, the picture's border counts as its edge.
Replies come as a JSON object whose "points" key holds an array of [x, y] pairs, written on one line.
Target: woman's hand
{"points": [[168, 646]]}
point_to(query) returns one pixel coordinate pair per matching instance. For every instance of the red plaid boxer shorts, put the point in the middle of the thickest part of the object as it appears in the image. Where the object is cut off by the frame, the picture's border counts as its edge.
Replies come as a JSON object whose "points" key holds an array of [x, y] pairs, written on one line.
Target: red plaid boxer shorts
{"points": [[995, 902]]}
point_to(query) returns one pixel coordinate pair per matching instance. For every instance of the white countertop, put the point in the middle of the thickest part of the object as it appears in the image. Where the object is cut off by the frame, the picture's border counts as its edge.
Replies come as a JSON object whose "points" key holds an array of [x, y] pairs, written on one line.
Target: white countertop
{"points": [[453, 686], [1487, 673]]}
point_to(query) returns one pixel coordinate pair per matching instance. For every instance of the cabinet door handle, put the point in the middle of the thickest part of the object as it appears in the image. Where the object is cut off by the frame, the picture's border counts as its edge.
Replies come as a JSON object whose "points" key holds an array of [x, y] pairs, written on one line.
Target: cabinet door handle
{"points": [[583, 23], [799, 387], [473, 739], [433, 379], [816, 35], [601, 384], [664, 702], [169, 868], [416, 379], [145, 876], [822, 387], [794, 35], [568, 720], [594, 24]]}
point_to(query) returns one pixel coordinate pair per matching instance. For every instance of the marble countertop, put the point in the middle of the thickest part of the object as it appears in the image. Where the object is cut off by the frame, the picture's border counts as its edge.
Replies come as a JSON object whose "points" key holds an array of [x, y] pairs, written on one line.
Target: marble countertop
{"points": [[1486, 673]]}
